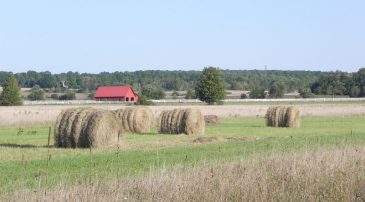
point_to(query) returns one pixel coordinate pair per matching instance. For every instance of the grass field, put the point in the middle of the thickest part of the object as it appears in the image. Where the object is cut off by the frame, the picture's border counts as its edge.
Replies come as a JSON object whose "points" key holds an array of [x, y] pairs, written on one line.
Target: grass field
{"points": [[24, 152]]}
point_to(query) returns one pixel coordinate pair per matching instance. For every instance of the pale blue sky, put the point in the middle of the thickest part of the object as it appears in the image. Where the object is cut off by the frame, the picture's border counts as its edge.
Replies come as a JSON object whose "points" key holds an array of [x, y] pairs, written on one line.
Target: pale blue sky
{"points": [[120, 35]]}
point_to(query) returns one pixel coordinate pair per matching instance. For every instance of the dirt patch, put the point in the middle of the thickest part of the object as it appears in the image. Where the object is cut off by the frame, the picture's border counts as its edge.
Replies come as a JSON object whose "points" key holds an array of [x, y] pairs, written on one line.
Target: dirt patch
{"points": [[204, 140], [211, 119]]}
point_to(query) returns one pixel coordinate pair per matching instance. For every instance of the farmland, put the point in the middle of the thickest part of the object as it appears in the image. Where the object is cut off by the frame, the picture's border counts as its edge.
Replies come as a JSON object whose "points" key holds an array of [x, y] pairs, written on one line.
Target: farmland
{"points": [[331, 140]]}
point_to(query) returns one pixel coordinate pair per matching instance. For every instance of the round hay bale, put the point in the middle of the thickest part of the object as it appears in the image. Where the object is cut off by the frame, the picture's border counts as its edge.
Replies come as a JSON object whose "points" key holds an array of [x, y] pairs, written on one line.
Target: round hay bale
{"points": [[130, 119], [125, 119], [211, 119], [142, 120], [194, 122], [119, 115], [63, 128], [58, 129], [187, 121], [172, 121], [270, 116], [77, 125], [161, 121], [84, 136], [68, 136], [283, 117], [179, 123], [102, 129], [292, 118]]}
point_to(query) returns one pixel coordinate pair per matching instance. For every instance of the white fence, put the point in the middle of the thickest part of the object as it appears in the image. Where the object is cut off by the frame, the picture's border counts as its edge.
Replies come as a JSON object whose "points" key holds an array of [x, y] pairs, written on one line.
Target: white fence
{"points": [[93, 102]]}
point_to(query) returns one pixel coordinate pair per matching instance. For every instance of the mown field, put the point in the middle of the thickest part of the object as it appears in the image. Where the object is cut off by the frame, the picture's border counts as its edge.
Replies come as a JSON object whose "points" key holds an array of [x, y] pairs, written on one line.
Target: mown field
{"points": [[156, 166]]}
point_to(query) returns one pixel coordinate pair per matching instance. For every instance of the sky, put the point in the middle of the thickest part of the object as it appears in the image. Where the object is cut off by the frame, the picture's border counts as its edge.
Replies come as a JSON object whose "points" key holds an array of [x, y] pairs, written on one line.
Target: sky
{"points": [[129, 35]]}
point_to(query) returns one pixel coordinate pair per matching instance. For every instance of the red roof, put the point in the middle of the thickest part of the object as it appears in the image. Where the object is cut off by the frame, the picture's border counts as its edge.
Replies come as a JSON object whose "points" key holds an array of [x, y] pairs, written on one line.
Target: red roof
{"points": [[113, 91]]}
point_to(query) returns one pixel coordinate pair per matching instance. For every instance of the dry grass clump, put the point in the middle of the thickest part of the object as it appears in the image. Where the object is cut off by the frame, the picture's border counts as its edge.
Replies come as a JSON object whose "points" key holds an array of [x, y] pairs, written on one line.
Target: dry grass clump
{"points": [[321, 175], [178, 121], [135, 119], [211, 119], [283, 117], [86, 127]]}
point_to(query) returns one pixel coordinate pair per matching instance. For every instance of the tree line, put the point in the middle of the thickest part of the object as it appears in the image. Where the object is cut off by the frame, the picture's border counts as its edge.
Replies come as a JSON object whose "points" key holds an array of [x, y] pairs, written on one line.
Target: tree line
{"points": [[209, 85], [164, 80]]}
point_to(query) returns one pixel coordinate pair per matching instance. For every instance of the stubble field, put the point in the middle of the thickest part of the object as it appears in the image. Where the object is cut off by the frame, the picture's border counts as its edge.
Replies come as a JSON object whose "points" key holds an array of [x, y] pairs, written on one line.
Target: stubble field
{"points": [[238, 159]]}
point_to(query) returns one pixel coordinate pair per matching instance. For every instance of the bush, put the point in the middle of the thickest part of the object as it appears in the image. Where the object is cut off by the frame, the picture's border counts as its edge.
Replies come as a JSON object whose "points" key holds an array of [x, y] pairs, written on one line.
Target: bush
{"points": [[54, 96], [143, 100], [36, 94], [67, 96], [306, 93], [244, 96], [190, 94], [91, 96]]}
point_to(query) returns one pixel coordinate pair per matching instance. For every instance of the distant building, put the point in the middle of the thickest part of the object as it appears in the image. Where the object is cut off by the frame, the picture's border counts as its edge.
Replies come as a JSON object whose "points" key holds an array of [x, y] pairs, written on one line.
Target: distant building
{"points": [[116, 93]]}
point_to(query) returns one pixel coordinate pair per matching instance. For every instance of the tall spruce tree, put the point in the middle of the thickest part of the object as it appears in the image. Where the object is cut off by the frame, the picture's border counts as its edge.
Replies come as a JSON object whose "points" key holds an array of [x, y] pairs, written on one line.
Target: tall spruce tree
{"points": [[210, 87], [10, 96]]}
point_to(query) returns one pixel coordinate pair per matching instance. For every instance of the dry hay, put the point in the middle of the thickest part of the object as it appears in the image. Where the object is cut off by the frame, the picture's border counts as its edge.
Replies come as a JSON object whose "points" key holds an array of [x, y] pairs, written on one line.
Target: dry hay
{"points": [[102, 130], [76, 130], [58, 128], [283, 117], [86, 127], [135, 119], [178, 121], [211, 119]]}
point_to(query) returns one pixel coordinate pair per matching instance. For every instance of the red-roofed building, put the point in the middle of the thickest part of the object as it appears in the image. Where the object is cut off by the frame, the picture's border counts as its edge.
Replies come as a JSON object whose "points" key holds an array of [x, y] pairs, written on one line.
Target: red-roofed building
{"points": [[116, 93]]}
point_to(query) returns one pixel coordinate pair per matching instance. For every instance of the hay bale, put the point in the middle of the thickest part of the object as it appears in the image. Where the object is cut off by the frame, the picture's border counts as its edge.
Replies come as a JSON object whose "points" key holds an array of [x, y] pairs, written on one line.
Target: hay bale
{"points": [[135, 119], [194, 122], [211, 119], [142, 120], [187, 121], [102, 130], [77, 126], [293, 118], [283, 117], [86, 127], [161, 121], [63, 140], [58, 129]]}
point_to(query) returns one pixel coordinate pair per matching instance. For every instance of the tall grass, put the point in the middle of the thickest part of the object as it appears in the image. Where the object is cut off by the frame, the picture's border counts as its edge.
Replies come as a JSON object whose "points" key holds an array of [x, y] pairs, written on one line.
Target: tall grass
{"points": [[321, 175]]}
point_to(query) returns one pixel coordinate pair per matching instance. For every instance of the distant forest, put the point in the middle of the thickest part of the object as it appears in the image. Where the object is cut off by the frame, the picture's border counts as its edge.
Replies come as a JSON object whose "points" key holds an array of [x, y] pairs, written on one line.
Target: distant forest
{"points": [[307, 82], [166, 80]]}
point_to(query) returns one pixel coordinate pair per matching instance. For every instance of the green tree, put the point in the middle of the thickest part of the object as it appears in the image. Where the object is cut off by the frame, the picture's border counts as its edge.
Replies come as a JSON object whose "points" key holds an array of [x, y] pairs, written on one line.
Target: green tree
{"points": [[210, 86], [152, 92], [36, 94], [305, 93], [276, 90], [10, 96], [257, 92], [143, 100], [190, 94]]}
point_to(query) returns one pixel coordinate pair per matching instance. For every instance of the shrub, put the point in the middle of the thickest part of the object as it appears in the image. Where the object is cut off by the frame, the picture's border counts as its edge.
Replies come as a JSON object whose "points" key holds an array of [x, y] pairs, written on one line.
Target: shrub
{"points": [[143, 100], [36, 94], [67, 96]]}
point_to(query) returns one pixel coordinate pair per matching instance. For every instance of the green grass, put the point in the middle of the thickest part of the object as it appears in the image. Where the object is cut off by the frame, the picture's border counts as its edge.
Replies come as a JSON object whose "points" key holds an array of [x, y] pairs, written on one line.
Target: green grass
{"points": [[23, 163]]}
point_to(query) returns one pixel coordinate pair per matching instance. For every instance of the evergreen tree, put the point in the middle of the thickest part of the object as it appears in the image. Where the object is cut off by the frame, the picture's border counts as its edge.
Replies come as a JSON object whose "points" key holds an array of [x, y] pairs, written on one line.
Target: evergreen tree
{"points": [[210, 86], [10, 96]]}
